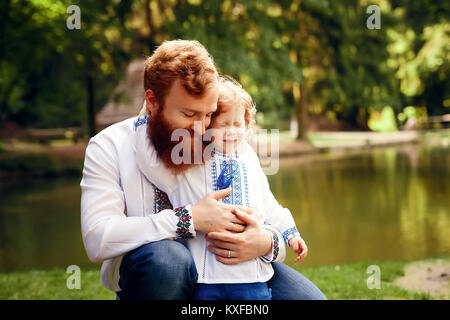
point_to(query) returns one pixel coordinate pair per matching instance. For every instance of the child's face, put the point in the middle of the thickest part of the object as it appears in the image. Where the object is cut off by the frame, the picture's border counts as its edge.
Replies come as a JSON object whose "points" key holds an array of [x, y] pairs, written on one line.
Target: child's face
{"points": [[230, 129]]}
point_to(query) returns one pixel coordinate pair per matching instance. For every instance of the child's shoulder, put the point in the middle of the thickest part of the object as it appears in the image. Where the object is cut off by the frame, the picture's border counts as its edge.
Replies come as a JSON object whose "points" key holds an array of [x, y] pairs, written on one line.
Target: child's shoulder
{"points": [[247, 152]]}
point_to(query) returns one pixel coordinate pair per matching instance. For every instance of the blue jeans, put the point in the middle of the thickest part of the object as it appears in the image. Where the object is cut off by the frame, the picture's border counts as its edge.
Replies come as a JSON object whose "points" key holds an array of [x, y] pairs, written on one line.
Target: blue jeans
{"points": [[232, 291], [165, 270]]}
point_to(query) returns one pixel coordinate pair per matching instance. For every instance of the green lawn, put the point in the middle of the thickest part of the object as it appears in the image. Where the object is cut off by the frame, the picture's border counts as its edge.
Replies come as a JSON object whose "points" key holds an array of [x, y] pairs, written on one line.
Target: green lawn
{"points": [[337, 282]]}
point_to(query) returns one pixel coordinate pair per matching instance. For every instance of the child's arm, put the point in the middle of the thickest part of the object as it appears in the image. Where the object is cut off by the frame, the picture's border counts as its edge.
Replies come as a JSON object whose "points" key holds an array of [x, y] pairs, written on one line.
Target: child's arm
{"points": [[299, 246], [276, 215], [281, 218]]}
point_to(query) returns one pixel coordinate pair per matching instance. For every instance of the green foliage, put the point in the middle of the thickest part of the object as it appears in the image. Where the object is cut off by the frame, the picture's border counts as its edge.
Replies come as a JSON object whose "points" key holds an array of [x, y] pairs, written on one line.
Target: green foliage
{"points": [[51, 76], [419, 51], [44, 65], [382, 121], [244, 42], [38, 165]]}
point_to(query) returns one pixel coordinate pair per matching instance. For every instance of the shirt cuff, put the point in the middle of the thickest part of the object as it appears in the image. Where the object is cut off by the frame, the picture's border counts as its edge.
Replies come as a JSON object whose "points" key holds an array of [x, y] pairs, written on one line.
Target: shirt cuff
{"points": [[290, 233], [185, 223], [273, 255]]}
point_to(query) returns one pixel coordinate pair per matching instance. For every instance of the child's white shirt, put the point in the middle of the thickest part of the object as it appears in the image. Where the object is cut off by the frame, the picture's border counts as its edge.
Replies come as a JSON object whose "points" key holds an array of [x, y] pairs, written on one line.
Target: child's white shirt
{"points": [[250, 188]]}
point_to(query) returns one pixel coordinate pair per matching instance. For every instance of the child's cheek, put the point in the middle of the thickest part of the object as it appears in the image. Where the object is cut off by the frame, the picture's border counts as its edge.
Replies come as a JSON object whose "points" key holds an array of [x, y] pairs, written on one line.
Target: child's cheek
{"points": [[217, 138], [240, 132]]}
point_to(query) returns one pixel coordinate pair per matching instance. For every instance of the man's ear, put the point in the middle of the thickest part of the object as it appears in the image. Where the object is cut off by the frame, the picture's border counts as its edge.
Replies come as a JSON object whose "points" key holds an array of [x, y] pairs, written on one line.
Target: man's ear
{"points": [[151, 102]]}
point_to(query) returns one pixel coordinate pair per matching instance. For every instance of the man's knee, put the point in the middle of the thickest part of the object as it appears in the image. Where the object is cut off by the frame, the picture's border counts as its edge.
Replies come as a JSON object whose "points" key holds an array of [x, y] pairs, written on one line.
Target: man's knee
{"points": [[166, 256], [165, 265], [289, 284], [173, 255]]}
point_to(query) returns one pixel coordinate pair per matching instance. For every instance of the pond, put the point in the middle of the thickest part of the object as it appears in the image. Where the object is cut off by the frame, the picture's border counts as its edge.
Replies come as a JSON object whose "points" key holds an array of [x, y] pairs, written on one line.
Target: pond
{"points": [[381, 204]]}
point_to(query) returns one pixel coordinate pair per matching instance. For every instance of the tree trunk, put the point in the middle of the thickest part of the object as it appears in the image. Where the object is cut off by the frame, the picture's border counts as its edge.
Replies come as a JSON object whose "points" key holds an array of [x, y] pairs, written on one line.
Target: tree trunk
{"points": [[91, 105], [148, 16], [302, 114]]}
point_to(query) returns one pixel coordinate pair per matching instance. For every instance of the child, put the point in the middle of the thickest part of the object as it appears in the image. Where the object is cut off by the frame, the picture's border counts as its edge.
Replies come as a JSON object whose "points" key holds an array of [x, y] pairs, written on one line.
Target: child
{"points": [[234, 164]]}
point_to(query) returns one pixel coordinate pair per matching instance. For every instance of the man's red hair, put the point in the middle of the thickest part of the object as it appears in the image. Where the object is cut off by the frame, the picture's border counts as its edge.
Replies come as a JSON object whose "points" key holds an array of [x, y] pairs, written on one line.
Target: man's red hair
{"points": [[187, 60]]}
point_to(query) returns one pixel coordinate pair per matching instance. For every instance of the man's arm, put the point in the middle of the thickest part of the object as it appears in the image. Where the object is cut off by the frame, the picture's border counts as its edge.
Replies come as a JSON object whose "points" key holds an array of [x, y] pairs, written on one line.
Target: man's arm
{"points": [[256, 241], [107, 231]]}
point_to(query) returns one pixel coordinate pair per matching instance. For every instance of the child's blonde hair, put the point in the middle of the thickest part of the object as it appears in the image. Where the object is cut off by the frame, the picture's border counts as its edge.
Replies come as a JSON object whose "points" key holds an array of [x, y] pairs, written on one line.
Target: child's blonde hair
{"points": [[231, 93]]}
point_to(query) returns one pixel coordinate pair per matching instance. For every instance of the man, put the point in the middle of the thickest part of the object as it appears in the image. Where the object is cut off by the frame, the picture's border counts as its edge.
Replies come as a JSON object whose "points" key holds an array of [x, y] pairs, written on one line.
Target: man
{"points": [[130, 225]]}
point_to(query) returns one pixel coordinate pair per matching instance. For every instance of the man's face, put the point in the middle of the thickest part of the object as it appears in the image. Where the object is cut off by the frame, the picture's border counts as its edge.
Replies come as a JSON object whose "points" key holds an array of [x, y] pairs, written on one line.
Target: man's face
{"points": [[180, 110]]}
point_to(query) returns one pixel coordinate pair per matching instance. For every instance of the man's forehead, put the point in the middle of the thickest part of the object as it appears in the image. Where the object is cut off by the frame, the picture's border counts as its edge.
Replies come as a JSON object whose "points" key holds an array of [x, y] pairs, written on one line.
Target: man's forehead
{"points": [[179, 97]]}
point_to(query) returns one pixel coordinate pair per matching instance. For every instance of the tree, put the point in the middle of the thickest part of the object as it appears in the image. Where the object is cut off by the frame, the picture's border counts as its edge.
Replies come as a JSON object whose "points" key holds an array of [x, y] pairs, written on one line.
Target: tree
{"points": [[53, 76], [420, 52], [245, 43]]}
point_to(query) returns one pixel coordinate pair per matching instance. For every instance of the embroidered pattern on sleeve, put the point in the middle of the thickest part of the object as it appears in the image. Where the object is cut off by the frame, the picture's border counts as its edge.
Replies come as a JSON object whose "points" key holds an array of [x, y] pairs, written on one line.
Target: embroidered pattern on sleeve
{"points": [[289, 233], [184, 222], [275, 246]]}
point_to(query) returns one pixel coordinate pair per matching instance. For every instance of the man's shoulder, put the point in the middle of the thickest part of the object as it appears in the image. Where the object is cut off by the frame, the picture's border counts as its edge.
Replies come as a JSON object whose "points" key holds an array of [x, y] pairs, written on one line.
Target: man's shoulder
{"points": [[117, 132]]}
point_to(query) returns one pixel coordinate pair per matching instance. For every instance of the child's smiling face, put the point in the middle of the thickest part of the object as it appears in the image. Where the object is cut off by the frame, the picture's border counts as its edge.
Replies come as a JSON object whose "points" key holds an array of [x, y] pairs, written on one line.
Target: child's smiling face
{"points": [[230, 128]]}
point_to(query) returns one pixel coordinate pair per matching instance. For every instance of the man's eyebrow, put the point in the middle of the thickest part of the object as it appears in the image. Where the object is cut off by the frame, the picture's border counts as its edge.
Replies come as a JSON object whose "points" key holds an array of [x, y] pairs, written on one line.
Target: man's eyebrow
{"points": [[213, 109], [188, 109]]}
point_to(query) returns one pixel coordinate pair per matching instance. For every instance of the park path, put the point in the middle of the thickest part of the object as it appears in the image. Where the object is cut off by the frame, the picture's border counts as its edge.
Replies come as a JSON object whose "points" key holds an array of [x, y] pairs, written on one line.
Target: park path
{"points": [[432, 277], [325, 141]]}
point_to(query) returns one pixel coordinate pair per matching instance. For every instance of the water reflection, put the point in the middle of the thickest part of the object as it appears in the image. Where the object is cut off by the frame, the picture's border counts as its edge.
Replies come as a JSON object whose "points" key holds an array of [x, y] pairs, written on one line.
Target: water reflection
{"points": [[380, 204], [390, 203], [40, 224]]}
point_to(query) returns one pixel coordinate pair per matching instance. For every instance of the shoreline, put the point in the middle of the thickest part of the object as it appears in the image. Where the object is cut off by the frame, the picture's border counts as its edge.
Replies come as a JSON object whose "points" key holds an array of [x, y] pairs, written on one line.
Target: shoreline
{"points": [[64, 158]]}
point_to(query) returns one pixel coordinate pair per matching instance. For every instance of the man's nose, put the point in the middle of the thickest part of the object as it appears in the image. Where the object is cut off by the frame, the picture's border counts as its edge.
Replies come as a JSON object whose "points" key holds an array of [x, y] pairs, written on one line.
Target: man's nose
{"points": [[200, 126]]}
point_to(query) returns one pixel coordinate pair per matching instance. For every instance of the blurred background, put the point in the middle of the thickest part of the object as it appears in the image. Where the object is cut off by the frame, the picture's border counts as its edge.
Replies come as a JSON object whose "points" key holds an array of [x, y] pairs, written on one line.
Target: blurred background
{"points": [[363, 114]]}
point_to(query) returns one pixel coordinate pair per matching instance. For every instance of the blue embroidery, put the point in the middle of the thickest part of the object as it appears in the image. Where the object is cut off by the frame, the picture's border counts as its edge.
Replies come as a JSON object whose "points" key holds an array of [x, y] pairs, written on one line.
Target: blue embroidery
{"points": [[244, 170], [230, 170], [214, 174], [235, 197], [289, 233], [225, 177], [140, 121]]}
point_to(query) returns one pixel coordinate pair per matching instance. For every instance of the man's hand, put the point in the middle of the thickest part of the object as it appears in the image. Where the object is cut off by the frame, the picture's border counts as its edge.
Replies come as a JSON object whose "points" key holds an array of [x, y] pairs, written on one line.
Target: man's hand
{"points": [[299, 246], [232, 248], [211, 215]]}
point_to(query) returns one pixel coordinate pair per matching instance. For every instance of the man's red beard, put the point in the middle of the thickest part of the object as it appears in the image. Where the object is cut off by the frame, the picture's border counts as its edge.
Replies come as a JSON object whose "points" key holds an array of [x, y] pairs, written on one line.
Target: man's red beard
{"points": [[159, 132]]}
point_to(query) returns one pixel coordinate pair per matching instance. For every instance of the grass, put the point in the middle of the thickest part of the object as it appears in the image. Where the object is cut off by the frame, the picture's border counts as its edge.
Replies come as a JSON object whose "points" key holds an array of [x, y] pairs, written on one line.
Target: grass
{"points": [[51, 285], [349, 282], [337, 282]]}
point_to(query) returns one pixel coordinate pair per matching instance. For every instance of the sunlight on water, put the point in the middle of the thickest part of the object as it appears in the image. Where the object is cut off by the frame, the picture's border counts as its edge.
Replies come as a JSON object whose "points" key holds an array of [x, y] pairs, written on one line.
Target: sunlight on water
{"points": [[383, 204]]}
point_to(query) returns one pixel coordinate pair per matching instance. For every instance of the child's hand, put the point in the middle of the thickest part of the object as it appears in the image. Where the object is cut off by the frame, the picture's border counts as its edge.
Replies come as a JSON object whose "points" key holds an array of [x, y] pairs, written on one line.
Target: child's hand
{"points": [[299, 246]]}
